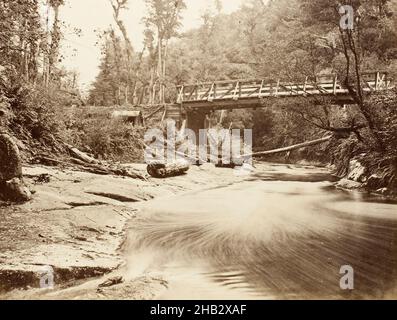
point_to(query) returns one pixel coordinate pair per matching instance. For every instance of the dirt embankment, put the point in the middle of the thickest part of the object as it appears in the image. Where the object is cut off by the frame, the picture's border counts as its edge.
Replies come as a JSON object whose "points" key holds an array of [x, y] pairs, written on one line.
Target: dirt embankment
{"points": [[75, 225]]}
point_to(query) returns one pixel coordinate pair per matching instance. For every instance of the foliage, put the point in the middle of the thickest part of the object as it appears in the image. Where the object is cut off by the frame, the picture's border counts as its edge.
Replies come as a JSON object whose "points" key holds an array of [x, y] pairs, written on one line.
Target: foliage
{"points": [[117, 140], [32, 85]]}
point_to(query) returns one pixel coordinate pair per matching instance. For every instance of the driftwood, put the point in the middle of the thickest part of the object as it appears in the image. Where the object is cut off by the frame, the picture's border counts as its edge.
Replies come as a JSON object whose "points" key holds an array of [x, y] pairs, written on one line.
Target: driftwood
{"points": [[82, 161], [290, 148], [76, 153], [48, 160], [93, 165], [166, 170]]}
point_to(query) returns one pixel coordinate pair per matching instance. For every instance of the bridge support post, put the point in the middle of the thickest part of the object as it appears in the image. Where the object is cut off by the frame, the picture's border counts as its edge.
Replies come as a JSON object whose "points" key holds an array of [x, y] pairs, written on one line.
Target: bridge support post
{"points": [[196, 120]]}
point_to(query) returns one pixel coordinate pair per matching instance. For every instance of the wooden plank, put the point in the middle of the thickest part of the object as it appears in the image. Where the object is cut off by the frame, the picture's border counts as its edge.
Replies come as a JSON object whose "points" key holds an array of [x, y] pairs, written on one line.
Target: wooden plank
{"points": [[261, 89], [290, 90], [277, 87], [248, 103], [164, 114], [205, 94], [235, 97], [211, 92], [180, 97], [304, 86], [192, 92], [381, 81], [335, 83], [215, 88], [377, 81], [226, 92], [321, 89]]}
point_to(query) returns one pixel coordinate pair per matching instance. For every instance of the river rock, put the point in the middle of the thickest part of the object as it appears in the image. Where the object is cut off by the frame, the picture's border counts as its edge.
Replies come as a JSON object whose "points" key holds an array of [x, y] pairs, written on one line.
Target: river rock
{"points": [[349, 184], [374, 182], [357, 172], [17, 191], [383, 191]]}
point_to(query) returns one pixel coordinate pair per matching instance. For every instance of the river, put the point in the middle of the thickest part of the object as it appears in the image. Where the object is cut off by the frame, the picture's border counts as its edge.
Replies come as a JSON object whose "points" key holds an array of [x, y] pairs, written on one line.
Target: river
{"points": [[281, 234]]}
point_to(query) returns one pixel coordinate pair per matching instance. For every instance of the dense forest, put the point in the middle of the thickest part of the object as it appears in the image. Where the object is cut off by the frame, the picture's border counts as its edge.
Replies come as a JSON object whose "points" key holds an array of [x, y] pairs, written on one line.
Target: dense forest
{"points": [[287, 39]]}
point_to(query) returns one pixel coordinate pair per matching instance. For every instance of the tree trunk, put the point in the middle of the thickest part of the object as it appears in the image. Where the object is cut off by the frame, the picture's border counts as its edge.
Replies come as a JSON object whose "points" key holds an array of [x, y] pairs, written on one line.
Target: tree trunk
{"points": [[116, 14], [290, 148], [159, 68], [54, 46]]}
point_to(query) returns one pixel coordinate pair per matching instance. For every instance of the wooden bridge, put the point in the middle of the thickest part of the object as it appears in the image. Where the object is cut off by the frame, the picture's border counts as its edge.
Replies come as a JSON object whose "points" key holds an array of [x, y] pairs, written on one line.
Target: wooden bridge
{"points": [[244, 93], [195, 101]]}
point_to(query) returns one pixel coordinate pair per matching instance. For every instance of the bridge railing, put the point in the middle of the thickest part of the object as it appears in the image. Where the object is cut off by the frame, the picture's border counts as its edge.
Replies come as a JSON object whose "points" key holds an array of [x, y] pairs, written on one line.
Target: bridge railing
{"points": [[254, 88]]}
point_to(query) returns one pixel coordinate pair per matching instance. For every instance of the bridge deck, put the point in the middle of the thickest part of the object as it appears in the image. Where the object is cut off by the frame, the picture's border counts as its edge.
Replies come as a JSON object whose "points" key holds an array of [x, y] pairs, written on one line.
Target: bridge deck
{"points": [[250, 93]]}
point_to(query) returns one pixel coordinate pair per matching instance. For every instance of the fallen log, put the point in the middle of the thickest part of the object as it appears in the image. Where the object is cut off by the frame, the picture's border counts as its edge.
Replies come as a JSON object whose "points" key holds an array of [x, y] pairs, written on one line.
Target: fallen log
{"points": [[166, 170], [76, 153], [108, 169], [96, 168], [286, 149], [48, 161]]}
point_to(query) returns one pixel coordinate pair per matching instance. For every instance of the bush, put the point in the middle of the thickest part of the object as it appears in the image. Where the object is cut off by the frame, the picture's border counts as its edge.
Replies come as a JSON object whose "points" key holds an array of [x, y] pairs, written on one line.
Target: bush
{"points": [[108, 139], [31, 116]]}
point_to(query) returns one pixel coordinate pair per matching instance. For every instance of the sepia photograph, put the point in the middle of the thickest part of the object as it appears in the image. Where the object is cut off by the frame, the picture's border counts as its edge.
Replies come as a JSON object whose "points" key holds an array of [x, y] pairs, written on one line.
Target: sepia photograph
{"points": [[166, 151]]}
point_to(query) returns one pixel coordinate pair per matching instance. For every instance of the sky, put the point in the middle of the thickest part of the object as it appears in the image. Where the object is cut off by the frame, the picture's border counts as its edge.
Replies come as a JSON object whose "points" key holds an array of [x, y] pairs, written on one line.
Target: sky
{"points": [[81, 54]]}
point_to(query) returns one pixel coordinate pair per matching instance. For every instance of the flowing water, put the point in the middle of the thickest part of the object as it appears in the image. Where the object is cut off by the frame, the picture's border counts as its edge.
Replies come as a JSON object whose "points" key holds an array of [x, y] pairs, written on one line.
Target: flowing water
{"points": [[282, 234]]}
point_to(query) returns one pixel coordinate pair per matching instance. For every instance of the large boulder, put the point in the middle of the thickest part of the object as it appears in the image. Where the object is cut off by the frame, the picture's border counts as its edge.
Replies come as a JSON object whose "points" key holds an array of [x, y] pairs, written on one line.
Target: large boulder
{"points": [[374, 182], [10, 160], [11, 183], [357, 172], [349, 184], [15, 190]]}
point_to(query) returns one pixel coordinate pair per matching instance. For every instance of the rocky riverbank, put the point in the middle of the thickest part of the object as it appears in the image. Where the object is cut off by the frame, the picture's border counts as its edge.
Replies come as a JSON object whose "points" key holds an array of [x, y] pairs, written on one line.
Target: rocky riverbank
{"points": [[75, 222], [359, 177]]}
